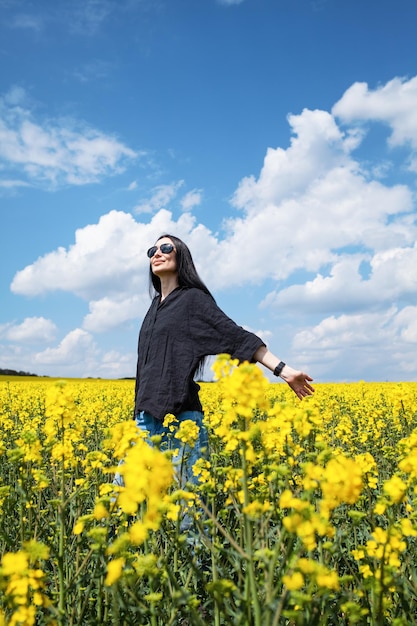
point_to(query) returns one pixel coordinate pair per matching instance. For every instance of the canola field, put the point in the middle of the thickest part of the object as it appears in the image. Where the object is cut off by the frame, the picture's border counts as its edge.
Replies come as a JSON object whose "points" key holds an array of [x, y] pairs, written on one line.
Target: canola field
{"points": [[303, 513]]}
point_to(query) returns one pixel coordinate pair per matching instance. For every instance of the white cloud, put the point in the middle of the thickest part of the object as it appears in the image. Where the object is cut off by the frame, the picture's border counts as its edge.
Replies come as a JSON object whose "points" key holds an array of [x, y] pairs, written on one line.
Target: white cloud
{"points": [[13, 184], [191, 199], [393, 104], [313, 216], [392, 277], [160, 198], [106, 263], [311, 209], [317, 146], [56, 151], [406, 325], [16, 95], [108, 313], [31, 330], [309, 203], [76, 348], [115, 364], [349, 347], [105, 258]]}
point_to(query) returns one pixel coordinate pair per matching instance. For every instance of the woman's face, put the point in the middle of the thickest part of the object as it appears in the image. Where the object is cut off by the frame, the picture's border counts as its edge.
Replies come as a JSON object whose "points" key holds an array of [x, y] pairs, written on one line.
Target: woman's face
{"points": [[164, 262]]}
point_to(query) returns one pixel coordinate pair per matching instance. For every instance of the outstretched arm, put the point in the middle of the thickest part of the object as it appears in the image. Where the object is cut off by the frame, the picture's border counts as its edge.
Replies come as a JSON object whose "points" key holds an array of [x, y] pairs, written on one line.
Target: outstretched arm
{"points": [[297, 380]]}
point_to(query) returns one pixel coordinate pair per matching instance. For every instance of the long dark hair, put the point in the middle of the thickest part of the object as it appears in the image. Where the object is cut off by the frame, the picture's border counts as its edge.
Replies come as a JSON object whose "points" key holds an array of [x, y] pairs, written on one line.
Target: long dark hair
{"points": [[187, 273], [187, 277]]}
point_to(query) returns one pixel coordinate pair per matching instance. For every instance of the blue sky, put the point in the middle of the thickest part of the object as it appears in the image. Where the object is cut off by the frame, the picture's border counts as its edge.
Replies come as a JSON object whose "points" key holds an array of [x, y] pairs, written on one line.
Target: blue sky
{"points": [[278, 138]]}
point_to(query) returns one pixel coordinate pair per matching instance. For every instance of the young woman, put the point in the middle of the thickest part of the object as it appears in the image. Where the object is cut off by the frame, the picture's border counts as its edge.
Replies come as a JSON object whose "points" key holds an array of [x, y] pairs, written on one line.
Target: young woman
{"points": [[183, 326]]}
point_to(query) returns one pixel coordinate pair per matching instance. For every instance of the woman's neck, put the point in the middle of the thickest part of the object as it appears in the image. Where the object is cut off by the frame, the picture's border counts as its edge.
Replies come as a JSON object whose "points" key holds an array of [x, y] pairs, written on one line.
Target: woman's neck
{"points": [[168, 284]]}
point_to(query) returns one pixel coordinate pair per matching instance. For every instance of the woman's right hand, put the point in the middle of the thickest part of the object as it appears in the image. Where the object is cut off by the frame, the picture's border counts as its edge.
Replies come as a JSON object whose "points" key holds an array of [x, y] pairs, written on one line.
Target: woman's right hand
{"points": [[298, 381]]}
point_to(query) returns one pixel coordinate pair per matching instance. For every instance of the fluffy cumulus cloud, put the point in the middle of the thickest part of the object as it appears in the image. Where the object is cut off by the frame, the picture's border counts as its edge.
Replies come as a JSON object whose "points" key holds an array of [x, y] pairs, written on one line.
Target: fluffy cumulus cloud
{"points": [[348, 347], [108, 313], [54, 152], [355, 282], [334, 242], [393, 104], [31, 330], [76, 347], [311, 202], [107, 265], [105, 258]]}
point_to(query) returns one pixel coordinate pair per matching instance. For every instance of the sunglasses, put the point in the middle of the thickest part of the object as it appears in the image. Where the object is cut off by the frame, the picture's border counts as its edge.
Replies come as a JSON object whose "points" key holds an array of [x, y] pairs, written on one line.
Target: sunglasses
{"points": [[165, 248]]}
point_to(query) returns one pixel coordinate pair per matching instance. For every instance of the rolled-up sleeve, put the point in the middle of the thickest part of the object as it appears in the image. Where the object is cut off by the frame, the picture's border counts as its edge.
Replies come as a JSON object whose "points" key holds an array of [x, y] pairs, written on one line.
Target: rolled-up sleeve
{"points": [[213, 332]]}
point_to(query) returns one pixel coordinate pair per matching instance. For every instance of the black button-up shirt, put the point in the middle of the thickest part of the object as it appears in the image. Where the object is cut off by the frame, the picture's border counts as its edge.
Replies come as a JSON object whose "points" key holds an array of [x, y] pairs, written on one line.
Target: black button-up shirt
{"points": [[175, 335]]}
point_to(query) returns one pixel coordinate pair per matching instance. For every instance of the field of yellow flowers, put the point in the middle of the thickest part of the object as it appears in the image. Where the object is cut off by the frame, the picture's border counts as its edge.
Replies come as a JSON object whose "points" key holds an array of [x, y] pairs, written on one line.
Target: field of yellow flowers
{"points": [[305, 512]]}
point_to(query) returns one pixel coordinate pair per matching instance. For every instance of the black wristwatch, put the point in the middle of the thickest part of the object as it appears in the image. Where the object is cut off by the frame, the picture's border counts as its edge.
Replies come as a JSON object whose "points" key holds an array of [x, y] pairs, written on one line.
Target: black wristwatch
{"points": [[279, 368]]}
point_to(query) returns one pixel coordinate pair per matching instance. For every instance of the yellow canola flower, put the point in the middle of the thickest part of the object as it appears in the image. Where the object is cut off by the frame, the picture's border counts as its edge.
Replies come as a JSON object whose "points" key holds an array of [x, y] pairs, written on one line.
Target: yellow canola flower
{"points": [[368, 468], [23, 616], [395, 488], [30, 445], [294, 581], [23, 585], [122, 436], [324, 577], [94, 460], [100, 512], [385, 545], [406, 527], [170, 422], [146, 565], [14, 563], [201, 469], [78, 527], [409, 464], [147, 474], [328, 580], [138, 533], [307, 526], [256, 509], [188, 433], [341, 483], [244, 389], [288, 501], [114, 571]]}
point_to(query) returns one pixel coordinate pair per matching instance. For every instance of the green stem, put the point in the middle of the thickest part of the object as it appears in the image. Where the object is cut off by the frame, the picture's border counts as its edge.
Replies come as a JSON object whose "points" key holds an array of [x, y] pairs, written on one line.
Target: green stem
{"points": [[254, 600], [214, 572], [224, 532], [61, 551], [380, 611]]}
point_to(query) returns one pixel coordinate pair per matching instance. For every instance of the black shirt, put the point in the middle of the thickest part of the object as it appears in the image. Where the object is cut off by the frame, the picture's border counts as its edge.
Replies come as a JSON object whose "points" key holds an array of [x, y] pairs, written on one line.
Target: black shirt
{"points": [[175, 335]]}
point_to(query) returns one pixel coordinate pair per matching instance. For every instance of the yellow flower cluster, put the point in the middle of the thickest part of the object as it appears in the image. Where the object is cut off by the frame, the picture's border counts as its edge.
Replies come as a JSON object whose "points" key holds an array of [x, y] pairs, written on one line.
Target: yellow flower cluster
{"points": [[147, 474], [301, 506], [309, 571], [23, 583], [381, 553]]}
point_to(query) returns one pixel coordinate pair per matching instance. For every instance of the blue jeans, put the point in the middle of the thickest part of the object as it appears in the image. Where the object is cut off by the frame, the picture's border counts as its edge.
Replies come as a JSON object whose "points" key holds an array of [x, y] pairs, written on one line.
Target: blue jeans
{"points": [[183, 460], [186, 456]]}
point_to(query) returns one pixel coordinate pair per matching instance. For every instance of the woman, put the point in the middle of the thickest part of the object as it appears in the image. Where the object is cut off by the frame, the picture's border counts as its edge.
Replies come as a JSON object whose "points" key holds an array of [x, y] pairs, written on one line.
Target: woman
{"points": [[182, 326]]}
